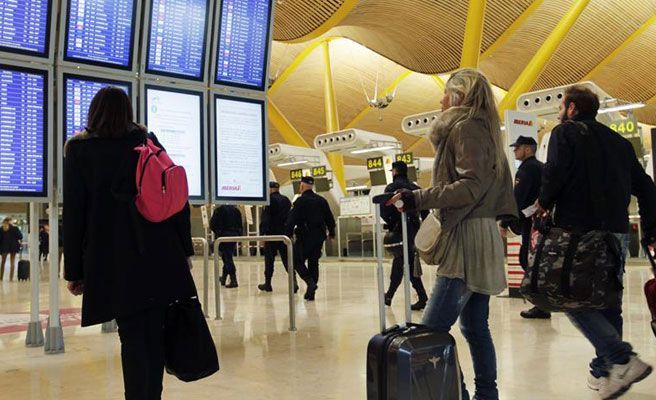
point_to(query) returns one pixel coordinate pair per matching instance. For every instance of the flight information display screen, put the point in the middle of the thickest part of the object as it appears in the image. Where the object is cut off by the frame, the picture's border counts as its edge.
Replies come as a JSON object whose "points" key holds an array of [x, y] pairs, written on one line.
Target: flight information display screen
{"points": [[100, 32], [176, 118], [23, 132], [25, 26], [243, 42], [78, 93], [240, 148], [177, 37]]}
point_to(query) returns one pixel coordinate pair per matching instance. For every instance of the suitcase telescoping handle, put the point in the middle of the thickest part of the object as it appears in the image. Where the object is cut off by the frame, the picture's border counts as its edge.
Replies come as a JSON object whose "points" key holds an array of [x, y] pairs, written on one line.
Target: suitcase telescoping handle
{"points": [[379, 201]]}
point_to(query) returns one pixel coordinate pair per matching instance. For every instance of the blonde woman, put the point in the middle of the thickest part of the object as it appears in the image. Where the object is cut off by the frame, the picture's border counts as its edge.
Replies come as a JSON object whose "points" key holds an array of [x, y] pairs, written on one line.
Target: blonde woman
{"points": [[471, 189], [10, 244]]}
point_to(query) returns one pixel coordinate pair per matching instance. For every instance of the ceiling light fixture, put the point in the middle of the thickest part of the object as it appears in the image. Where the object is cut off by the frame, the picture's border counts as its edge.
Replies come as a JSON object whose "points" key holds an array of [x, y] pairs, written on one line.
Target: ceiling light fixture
{"points": [[356, 188], [373, 149], [288, 164], [623, 107]]}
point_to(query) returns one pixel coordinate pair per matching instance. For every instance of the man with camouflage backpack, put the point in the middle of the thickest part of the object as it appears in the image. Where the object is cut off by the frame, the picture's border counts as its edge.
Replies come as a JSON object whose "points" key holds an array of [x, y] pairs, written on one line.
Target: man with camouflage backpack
{"points": [[567, 187]]}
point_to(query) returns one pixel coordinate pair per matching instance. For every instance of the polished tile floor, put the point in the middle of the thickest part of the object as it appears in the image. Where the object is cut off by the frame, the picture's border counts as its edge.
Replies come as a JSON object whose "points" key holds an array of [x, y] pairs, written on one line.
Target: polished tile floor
{"points": [[325, 359]]}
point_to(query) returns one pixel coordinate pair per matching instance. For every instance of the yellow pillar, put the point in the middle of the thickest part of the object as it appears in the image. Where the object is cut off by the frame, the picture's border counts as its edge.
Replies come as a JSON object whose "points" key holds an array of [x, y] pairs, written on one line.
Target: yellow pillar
{"points": [[471, 46], [332, 118], [286, 129], [532, 72]]}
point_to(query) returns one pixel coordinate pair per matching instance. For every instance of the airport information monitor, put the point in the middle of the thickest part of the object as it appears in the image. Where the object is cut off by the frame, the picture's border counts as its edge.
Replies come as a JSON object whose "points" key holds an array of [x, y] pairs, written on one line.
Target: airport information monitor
{"points": [[23, 132], [177, 37], [25, 26], [243, 41], [176, 117], [100, 32], [78, 93], [240, 146]]}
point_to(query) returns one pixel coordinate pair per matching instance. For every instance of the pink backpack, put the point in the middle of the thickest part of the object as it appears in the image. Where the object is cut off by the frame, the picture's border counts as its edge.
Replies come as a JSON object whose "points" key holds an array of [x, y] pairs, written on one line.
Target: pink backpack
{"points": [[162, 189]]}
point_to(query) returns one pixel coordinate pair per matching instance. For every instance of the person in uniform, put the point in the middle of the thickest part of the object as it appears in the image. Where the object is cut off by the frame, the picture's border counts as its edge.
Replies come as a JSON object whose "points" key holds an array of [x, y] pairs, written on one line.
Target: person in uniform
{"points": [[393, 220], [226, 221], [527, 189], [274, 218], [309, 219]]}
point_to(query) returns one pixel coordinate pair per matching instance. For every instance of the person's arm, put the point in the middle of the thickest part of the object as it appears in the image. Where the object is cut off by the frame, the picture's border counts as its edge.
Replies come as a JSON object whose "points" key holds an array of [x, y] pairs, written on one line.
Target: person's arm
{"points": [[329, 219], [644, 189], [557, 169], [75, 210], [293, 219], [182, 222], [471, 164], [214, 222]]}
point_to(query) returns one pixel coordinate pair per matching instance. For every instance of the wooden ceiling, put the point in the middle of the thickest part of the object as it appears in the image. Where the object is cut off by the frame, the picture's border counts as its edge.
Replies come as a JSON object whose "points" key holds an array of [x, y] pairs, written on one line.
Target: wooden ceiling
{"points": [[612, 43]]}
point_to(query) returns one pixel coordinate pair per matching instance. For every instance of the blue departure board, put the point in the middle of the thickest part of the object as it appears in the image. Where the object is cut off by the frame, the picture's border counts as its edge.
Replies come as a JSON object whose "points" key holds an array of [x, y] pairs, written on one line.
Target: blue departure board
{"points": [[25, 26], [23, 132], [100, 32], [177, 37], [78, 93], [243, 43]]}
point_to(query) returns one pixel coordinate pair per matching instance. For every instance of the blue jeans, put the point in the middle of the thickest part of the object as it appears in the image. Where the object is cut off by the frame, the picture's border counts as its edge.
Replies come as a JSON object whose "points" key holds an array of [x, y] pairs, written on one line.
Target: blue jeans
{"points": [[452, 299], [604, 329]]}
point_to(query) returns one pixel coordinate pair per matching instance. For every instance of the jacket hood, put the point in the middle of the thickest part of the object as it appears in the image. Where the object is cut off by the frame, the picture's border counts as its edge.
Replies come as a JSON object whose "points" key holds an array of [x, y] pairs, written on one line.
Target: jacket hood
{"points": [[445, 123]]}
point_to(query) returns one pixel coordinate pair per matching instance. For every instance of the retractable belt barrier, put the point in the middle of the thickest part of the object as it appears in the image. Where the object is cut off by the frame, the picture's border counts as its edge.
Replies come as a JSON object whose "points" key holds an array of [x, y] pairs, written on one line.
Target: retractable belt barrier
{"points": [[206, 273], [290, 271]]}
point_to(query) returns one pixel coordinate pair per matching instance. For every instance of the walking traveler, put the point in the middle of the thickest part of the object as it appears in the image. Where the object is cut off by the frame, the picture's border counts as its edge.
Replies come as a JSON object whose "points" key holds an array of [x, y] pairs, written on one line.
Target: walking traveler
{"points": [[10, 244], [471, 190], [582, 200], [226, 221], [393, 220], [274, 217], [125, 267]]}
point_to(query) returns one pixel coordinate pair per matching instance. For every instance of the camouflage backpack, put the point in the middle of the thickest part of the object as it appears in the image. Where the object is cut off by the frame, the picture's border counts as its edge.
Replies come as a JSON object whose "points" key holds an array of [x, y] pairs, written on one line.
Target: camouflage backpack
{"points": [[574, 271]]}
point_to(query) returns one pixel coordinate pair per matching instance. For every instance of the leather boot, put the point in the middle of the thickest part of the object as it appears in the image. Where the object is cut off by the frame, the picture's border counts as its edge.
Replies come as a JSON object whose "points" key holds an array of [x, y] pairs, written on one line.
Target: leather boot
{"points": [[311, 289], [233, 282]]}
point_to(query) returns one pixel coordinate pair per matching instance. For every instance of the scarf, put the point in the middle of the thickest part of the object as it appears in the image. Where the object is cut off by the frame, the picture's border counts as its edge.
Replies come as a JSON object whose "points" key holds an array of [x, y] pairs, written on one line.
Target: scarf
{"points": [[440, 131]]}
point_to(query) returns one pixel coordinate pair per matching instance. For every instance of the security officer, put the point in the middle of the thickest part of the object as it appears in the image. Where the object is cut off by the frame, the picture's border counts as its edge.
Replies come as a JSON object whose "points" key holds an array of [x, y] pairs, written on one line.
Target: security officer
{"points": [[226, 221], [310, 218], [393, 220], [527, 189], [274, 218]]}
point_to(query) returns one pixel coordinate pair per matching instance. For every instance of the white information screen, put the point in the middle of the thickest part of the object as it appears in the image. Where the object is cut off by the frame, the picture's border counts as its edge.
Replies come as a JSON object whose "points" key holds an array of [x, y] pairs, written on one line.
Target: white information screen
{"points": [[240, 149], [175, 116]]}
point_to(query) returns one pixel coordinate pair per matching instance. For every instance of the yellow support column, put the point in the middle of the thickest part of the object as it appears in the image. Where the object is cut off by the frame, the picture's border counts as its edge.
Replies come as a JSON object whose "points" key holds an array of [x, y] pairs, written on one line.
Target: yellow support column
{"points": [[471, 46], [332, 118], [286, 129], [532, 72]]}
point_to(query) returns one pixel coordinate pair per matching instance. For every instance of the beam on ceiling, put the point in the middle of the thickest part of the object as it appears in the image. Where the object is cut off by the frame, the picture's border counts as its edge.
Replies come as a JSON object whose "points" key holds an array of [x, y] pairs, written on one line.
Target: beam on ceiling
{"points": [[438, 81], [507, 34], [286, 129], [368, 108], [620, 48], [297, 62], [332, 117], [532, 71], [471, 45], [334, 20]]}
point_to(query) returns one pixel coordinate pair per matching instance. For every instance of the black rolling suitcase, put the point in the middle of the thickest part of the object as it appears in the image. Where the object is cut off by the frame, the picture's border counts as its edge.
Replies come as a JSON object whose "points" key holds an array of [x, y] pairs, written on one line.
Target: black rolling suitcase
{"points": [[23, 273], [409, 362]]}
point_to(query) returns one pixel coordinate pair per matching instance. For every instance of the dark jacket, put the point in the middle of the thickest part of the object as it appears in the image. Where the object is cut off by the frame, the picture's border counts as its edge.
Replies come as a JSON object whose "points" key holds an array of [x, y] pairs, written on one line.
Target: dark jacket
{"points": [[566, 180], [10, 240], [390, 214], [528, 181], [226, 221], [310, 218], [274, 216], [102, 233]]}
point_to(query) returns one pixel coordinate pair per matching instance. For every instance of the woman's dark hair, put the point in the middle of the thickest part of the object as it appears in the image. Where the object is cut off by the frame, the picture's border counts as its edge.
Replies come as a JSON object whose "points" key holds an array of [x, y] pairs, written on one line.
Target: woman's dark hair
{"points": [[110, 113], [586, 101]]}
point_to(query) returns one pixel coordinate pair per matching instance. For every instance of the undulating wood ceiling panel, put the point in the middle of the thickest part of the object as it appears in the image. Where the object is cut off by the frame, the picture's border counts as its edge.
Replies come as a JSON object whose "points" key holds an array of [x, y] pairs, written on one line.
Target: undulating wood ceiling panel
{"points": [[601, 28], [297, 18], [499, 15], [282, 55]]}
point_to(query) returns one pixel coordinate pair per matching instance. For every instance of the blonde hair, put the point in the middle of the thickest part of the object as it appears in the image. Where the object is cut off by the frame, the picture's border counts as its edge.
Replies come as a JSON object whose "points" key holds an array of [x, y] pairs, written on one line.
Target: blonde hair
{"points": [[470, 89]]}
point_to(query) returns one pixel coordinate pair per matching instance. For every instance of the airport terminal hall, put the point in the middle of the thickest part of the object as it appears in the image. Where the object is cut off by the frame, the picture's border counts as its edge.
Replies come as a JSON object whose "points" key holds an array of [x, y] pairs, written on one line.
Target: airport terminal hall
{"points": [[327, 199]]}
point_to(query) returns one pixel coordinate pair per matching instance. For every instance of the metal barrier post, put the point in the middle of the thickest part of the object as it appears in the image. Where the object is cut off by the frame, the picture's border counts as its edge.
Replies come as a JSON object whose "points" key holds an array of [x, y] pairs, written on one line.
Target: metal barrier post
{"points": [[290, 271], [206, 274], [217, 284], [34, 336], [380, 272], [109, 327], [54, 333]]}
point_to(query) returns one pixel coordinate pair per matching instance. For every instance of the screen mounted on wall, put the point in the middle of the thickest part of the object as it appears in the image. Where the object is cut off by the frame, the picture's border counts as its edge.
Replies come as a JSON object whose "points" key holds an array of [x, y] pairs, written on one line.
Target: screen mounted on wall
{"points": [[25, 26]]}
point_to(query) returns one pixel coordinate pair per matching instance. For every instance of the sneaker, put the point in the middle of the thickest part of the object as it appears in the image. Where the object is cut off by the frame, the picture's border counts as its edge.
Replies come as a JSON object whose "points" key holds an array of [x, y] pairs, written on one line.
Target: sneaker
{"points": [[535, 313], [622, 376], [265, 287], [594, 382]]}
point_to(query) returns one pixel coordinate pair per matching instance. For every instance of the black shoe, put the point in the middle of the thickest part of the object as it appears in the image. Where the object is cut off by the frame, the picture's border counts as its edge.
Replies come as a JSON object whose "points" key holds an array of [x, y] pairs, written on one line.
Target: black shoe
{"points": [[418, 306], [388, 300], [265, 287], [222, 279], [295, 287], [311, 289], [535, 313], [233, 283]]}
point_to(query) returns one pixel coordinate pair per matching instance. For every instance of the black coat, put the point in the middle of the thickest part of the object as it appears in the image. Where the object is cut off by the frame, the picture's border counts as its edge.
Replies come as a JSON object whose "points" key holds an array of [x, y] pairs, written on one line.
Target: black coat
{"points": [[392, 216], [528, 181], [226, 221], [274, 216], [101, 232], [10, 240], [566, 181], [310, 218]]}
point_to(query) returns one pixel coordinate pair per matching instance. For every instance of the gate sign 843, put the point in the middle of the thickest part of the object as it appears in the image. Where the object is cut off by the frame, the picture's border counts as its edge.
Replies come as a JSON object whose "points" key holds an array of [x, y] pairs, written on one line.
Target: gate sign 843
{"points": [[405, 157]]}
